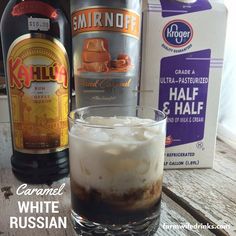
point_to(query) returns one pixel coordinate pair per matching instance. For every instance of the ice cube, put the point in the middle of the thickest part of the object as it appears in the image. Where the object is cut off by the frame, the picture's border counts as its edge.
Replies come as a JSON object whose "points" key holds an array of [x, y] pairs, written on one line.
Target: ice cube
{"points": [[149, 134], [138, 134], [98, 135], [121, 132], [113, 151]]}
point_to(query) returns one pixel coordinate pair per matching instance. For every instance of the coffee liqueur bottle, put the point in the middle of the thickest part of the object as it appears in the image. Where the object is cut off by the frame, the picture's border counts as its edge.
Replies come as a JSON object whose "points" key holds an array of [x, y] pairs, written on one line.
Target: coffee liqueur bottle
{"points": [[36, 40]]}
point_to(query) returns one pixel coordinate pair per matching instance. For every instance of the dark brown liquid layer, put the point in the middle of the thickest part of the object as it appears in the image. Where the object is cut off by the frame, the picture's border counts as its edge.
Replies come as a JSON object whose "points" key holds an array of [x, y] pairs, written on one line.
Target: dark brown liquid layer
{"points": [[113, 209]]}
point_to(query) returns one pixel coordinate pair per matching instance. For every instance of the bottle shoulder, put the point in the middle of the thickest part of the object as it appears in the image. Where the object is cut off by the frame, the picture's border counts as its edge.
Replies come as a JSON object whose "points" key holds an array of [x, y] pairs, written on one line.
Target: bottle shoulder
{"points": [[16, 23], [31, 19], [46, 9]]}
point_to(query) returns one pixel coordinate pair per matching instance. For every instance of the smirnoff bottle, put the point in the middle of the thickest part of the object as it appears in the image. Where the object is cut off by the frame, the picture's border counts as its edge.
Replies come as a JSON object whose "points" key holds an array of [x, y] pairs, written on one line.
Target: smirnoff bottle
{"points": [[106, 51]]}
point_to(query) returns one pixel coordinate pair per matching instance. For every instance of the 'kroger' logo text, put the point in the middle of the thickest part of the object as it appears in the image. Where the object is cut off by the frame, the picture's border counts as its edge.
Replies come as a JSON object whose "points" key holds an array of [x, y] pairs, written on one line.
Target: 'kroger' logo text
{"points": [[177, 33]]}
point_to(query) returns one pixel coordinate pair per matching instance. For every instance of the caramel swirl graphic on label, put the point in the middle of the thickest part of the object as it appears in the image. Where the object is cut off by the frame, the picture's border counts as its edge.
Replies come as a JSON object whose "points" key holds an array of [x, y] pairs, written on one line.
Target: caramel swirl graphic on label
{"points": [[38, 77]]}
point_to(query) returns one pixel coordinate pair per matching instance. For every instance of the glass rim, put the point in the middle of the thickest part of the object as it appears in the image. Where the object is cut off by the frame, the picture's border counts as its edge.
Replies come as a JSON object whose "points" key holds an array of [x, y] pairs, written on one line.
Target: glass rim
{"points": [[163, 116]]}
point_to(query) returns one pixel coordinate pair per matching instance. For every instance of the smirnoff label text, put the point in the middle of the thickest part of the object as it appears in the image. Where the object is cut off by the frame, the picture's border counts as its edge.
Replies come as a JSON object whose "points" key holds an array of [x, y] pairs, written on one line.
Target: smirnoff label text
{"points": [[106, 19]]}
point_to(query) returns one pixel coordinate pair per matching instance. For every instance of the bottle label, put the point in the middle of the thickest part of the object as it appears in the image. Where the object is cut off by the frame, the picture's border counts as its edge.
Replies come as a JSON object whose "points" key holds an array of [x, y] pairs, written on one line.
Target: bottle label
{"points": [[38, 24], [106, 51], [106, 19], [38, 77]]}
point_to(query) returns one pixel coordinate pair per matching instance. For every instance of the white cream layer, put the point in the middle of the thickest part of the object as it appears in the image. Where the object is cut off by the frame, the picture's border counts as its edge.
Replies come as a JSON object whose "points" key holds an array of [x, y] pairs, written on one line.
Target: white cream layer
{"points": [[120, 159]]}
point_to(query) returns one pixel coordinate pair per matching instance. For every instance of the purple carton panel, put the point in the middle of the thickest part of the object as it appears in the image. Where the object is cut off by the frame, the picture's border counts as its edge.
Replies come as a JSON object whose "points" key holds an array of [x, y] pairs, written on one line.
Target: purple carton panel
{"points": [[174, 8], [183, 95]]}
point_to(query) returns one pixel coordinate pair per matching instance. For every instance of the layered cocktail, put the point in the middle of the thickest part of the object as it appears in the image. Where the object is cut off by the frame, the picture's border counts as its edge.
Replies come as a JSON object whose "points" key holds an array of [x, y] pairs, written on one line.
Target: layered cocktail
{"points": [[116, 165]]}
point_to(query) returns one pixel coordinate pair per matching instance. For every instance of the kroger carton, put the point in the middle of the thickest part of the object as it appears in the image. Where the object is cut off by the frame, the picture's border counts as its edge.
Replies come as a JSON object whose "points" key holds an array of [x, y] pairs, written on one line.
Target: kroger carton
{"points": [[183, 49]]}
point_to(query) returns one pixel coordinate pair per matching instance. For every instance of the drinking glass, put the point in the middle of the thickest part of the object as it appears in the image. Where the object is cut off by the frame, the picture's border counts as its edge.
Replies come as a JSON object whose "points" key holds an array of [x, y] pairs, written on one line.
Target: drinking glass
{"points": [[116, 169]]}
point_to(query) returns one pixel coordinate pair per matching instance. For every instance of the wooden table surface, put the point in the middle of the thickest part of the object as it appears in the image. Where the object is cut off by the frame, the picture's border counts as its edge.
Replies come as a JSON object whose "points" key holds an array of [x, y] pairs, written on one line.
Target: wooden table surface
{"points": [[189, 196]]}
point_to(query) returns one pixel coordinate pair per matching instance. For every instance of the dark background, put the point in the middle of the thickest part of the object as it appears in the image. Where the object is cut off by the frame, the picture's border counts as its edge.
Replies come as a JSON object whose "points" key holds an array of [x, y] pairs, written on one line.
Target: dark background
{"points": [[2, 6], [65, 4]]}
